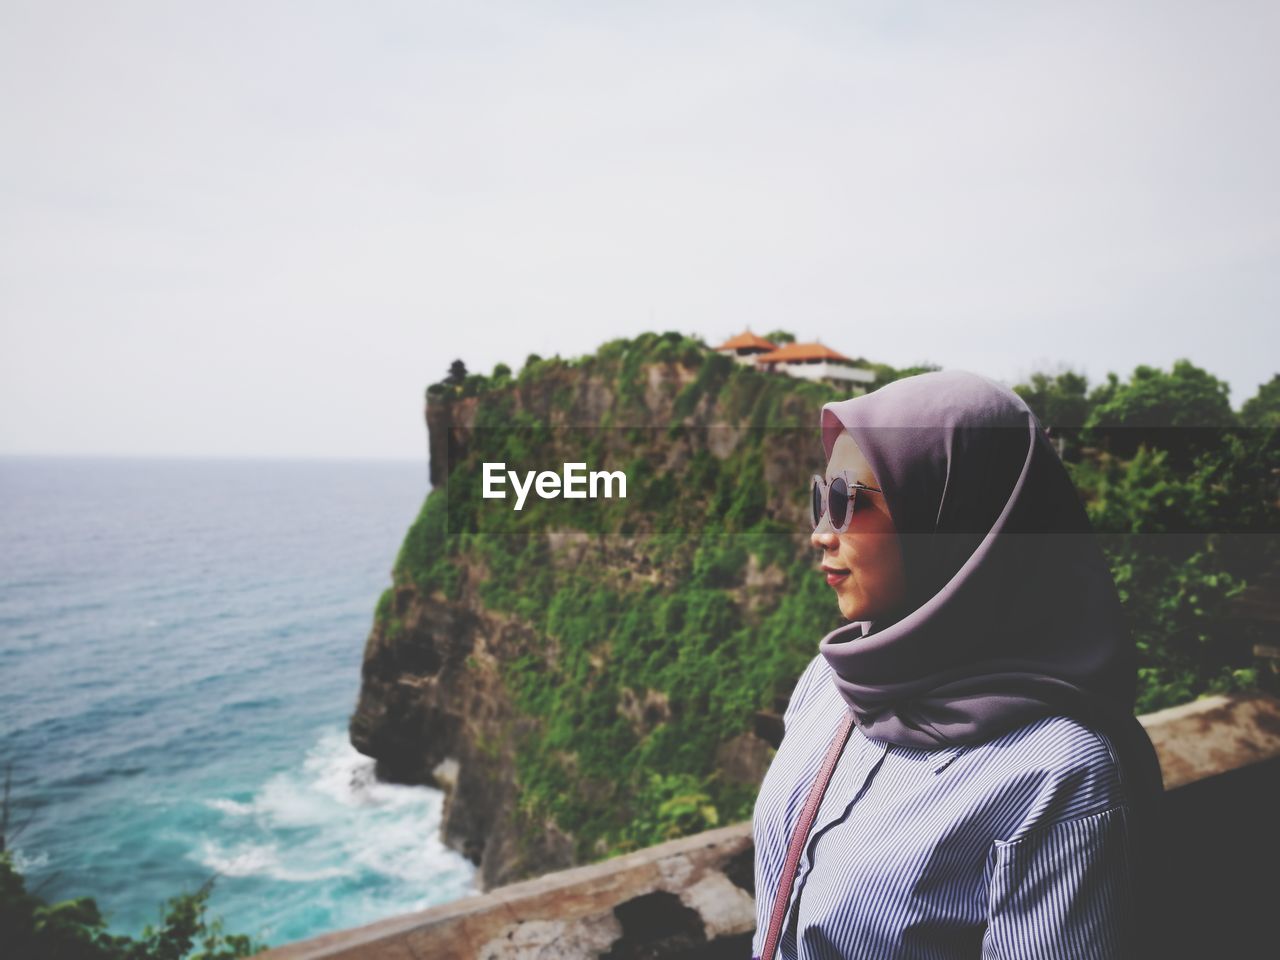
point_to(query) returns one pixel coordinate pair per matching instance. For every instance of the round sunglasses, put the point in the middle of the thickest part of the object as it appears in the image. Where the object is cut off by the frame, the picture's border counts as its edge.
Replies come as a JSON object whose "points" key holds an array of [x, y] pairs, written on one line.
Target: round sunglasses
{"points": [[837, 500]]}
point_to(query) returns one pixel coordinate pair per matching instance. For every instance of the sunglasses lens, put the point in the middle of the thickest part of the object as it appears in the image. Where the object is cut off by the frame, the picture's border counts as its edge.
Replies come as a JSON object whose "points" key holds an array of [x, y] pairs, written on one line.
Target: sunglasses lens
{"points": [[838, 501], [815, 501]]}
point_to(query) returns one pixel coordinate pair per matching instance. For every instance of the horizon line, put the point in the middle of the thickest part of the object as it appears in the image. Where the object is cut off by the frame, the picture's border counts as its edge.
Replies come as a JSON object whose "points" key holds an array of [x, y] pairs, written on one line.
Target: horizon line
{"points": [[256, 457]]}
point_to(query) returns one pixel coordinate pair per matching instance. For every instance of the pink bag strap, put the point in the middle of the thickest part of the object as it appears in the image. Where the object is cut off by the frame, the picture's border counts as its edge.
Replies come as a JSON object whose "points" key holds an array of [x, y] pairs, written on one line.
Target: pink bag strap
{"points": [[801, 834]]}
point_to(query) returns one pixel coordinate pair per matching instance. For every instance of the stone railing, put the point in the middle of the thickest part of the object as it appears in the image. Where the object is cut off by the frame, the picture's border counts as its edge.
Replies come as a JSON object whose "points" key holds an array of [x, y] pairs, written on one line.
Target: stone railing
{"points": [[692, 898]]}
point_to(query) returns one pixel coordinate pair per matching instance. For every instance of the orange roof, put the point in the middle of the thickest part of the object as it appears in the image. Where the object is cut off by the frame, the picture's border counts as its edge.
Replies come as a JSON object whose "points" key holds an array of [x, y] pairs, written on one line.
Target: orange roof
{"points": [[799, 352], [747, 339]]}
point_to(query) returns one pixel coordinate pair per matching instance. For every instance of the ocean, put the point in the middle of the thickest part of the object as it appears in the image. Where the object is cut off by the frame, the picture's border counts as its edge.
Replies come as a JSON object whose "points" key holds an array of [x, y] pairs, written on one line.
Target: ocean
{"points": [[180, 648]]}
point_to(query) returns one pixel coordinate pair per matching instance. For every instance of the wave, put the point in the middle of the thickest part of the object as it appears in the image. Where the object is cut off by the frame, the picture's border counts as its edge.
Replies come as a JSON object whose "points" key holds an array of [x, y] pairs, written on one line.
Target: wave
{"points": [[331, 817], [260, 860], [233, 807], [25, 863]]}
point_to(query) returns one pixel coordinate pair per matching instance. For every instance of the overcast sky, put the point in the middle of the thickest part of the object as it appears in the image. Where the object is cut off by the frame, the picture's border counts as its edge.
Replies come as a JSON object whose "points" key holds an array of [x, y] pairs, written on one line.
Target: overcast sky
{"points": [[261, 229]]}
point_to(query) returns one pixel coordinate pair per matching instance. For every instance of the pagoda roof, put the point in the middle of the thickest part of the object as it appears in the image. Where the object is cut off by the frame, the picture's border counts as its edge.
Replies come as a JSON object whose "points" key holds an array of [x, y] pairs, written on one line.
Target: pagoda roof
{"points": [[746, 340], [801, 352]]}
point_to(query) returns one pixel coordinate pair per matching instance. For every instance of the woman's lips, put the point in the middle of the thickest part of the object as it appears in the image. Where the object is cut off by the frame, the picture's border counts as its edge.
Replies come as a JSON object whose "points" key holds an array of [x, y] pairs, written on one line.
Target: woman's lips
{"points": [[834, 575]]}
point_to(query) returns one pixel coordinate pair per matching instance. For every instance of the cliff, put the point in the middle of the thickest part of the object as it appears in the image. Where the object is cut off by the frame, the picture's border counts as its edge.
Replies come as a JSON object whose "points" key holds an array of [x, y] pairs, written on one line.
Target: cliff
{"points": [[584, 676]]}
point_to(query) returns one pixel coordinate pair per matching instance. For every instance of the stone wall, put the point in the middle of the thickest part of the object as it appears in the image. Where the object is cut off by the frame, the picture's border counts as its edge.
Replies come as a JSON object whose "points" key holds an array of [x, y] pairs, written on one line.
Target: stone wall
{"points": [[693, 897]]}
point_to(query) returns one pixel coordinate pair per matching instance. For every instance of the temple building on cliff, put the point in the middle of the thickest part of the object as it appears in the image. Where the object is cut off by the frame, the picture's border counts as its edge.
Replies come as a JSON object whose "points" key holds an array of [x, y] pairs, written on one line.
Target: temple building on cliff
{"points": [[810, 361]]}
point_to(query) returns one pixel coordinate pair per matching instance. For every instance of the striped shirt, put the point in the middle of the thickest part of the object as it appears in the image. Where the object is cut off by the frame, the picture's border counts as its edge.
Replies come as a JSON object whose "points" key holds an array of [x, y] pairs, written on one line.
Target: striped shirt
{"points": [[1016, 847]]}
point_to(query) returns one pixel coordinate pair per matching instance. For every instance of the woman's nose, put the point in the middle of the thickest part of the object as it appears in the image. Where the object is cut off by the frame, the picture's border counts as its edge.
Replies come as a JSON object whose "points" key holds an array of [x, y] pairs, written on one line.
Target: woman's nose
{"points": [[824, 538]]}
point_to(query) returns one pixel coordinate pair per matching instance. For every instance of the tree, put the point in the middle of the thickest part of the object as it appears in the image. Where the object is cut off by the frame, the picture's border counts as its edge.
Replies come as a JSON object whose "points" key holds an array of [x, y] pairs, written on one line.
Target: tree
{"points": [[886, 374], [1184, 411], [1187, 396], [1171, 538], [1103, 393], [457, 374], [779, 337], [1263, 408], [1058, 400]]}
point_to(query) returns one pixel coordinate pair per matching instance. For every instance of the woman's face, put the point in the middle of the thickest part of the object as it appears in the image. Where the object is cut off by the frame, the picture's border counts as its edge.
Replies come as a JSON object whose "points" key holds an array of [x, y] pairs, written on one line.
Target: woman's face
{"points": [[863, 564]]}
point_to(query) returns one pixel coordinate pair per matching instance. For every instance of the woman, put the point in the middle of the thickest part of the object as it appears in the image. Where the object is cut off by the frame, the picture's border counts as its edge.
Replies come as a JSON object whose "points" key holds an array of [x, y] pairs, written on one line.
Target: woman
{"points": [[988, 790]]}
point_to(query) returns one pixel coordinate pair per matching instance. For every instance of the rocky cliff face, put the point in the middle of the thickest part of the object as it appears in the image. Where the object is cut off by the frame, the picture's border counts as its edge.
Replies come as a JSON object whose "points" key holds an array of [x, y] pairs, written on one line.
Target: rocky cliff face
{"points": [[434, 710], [466, 683]]}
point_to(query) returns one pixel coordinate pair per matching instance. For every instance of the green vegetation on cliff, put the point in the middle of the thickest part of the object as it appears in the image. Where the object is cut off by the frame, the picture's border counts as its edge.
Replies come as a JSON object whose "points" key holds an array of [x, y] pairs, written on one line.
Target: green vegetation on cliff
{"points": [[700, 603], [1184, 496], [610, 779]]}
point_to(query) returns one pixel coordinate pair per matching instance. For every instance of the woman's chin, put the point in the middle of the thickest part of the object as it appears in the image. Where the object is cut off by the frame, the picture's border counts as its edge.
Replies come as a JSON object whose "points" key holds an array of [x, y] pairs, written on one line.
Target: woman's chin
{"points": [[852, 610]]}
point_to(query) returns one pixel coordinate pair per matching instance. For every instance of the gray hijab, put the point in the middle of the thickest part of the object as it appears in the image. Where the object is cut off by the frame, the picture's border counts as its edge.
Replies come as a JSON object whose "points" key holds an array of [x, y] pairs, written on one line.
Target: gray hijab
{"points": [[1012, 613]]}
